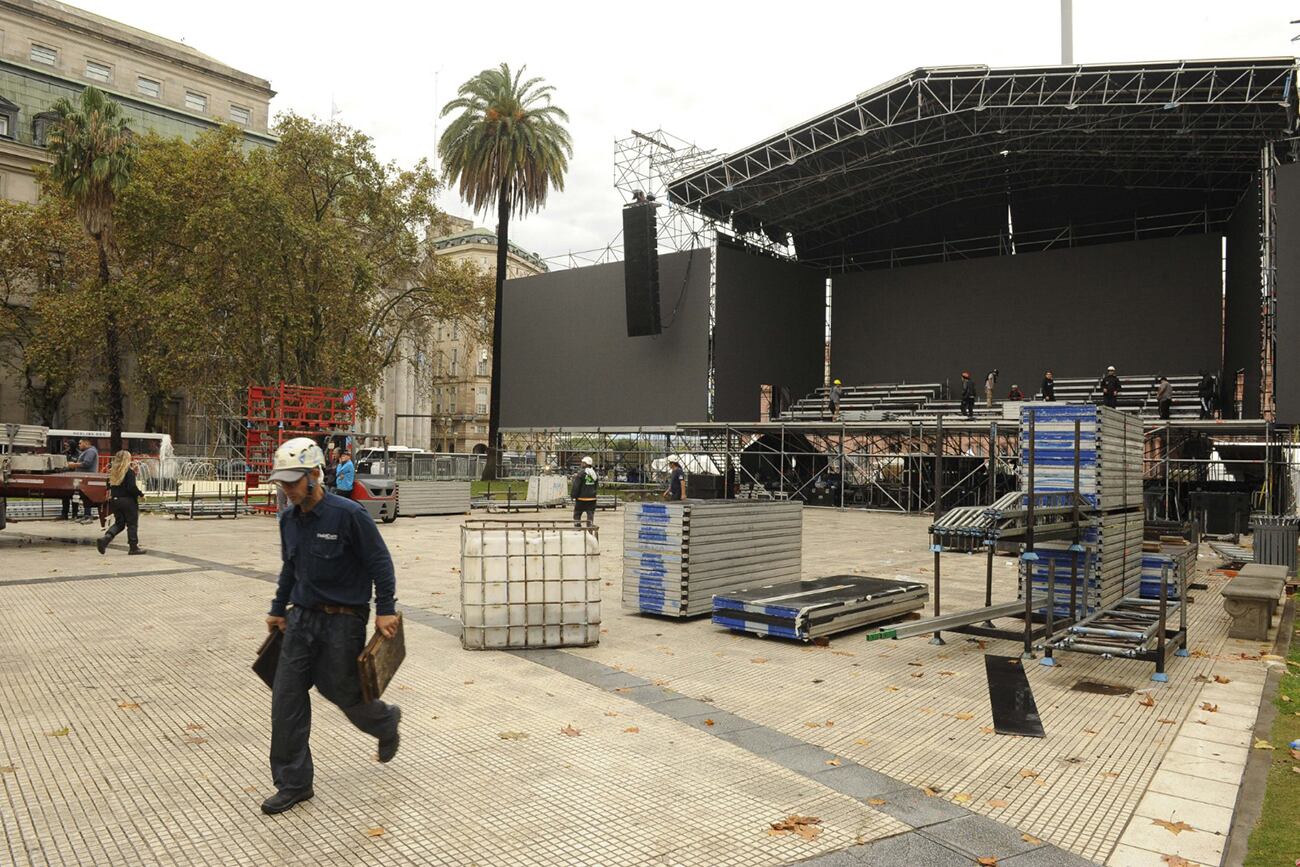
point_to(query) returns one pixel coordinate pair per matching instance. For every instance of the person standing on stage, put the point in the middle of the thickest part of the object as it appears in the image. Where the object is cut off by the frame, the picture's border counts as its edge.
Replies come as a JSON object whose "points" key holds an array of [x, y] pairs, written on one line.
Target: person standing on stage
{"points": [[834, 397], [125, 501], [584, 493], [967, 395], [333, 557], [990, 383], [1048, 388], [1110, 387], [1205, 390], [1164, 396]]}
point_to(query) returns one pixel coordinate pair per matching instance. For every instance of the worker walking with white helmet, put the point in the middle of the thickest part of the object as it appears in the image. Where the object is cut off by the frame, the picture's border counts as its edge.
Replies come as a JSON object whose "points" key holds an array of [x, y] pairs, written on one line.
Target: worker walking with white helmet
{"points": [[333, 558], [584, 493]]}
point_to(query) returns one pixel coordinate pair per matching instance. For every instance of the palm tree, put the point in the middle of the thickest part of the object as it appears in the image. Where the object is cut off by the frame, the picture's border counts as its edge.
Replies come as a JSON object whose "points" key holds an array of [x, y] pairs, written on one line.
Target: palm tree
{"points": [[507, 147], [93, 152]]}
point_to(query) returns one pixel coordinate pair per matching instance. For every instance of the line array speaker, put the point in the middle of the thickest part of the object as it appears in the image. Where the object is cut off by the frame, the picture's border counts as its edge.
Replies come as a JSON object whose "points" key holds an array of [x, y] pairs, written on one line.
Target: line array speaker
{"points": [[641, 270]]}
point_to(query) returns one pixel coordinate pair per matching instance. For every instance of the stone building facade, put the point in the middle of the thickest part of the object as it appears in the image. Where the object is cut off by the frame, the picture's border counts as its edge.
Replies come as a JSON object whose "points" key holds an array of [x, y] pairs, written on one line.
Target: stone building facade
{"points": [[50, 50]]}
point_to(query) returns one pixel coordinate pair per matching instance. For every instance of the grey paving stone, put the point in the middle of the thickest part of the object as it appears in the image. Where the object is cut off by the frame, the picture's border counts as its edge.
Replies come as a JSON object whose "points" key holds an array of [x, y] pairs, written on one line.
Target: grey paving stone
{"points": [[680, 708], [760, 741], [903, 850], [913, 807], [648, 695], [980, 837], [804, 759], [566, 663], [858, 782], [617, 680], [722, 722], [1046, 856]]}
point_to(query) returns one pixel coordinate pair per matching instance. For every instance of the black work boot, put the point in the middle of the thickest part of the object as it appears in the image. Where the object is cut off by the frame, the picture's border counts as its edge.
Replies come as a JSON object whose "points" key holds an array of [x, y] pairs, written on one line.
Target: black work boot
{"points": [[137, 551], [281, 801], [388, 746], [102, 544]]}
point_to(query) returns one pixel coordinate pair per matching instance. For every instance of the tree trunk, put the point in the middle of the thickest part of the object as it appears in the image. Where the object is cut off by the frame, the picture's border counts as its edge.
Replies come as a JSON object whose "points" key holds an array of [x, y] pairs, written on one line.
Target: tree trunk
{"points": [[112, 355], [492, 465], [156, 399]]}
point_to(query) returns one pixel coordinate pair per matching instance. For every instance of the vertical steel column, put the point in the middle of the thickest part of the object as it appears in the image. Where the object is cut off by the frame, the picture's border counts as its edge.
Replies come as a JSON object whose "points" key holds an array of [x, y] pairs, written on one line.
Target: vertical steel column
{"points": [[1077, 548], [842, 472], [1167, 444], [993, 496], [1160, 675], [1029, 557], [938, 513]]}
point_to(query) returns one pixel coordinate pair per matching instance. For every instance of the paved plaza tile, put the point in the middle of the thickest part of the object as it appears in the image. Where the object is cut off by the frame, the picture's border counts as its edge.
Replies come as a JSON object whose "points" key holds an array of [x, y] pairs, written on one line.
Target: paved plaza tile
{"points": [[133, 732]]}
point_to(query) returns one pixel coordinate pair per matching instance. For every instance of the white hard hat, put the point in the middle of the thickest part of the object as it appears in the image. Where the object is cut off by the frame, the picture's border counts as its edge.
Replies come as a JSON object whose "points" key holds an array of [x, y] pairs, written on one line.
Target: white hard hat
{"points": [[587, 461], [1112, 367], [295, 458]]}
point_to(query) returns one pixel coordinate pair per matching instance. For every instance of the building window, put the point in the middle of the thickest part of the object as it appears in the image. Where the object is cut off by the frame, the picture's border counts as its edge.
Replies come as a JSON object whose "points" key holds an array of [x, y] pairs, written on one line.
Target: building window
{"points": [[482, 361], [455, 330], [41, 127], [451, 405], [149, 87], [8, 118], [455, 363], [240, 115], [4, 126], [96, 71], [196, 101], [481, 401], [44, 54]]}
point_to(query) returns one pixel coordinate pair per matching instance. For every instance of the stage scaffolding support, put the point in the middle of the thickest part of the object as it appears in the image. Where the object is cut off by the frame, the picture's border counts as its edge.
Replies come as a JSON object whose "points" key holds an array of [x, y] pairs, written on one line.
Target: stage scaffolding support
{"points": [[890, 466]]}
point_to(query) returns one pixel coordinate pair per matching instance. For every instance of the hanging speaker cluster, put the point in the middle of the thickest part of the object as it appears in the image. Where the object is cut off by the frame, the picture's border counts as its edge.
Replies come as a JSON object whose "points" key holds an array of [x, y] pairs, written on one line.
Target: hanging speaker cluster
{"points": [[641, 270]]}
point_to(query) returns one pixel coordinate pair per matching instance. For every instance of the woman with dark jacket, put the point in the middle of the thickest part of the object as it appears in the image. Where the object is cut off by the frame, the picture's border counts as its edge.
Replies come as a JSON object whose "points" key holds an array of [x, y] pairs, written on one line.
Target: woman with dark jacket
{"points": [[125, 496]]}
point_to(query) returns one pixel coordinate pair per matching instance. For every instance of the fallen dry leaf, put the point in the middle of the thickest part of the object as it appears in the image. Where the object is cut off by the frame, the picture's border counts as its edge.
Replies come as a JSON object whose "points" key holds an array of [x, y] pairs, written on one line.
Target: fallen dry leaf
{"points": [[1147, 701], [128, 705], [1261, 744], [193, 727], [862, 742], [659, 682], [250, 789], [512, 736], [58, 733], [467, 682], [570, 731], [1089, 731], [996, 803], [961, 716], [1285, 697], [947, 673], [988, 730], [891, 689], [1030, 839], [632, 730], [1176, 861], [918, 674], [961, 798], [842, 653], [196, 740], [804, 826], [1212, 708], [1173, 827], [916, 663], [611, 713], [1028, 773], [1218, 678], [759, 660], [1167, 721], [930, 792], [375, 832], [875, 802], [987, 861], [8, 769], [709, 722], [1109, 774]]}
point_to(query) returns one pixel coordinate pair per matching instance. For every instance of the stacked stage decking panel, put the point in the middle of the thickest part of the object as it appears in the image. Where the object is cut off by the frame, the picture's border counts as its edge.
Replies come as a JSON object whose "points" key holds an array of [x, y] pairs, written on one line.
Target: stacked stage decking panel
{"points": [[432, 498], [805, 610], [1110, 477], [677, 555], [1181, 560]]}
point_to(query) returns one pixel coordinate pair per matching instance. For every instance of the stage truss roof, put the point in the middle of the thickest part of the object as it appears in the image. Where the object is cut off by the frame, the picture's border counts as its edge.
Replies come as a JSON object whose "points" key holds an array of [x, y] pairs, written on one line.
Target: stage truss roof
{"points": [[1154, 147]]}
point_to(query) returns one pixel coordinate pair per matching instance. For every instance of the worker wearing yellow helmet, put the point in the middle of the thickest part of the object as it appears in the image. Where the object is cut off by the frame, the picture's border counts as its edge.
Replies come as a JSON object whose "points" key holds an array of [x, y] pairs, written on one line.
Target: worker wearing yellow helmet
{"points": [[833, 398]]}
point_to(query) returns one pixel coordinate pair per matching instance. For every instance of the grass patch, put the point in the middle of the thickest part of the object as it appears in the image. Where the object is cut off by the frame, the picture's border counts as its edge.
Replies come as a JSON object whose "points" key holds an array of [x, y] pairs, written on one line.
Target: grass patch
{"points": [[498, 488], [1275, 839]]}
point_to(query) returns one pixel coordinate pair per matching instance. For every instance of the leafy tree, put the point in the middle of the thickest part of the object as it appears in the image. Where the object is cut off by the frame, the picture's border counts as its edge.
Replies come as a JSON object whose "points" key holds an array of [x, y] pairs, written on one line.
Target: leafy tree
{"points": [[45, 261], [507, 147], [93, 152]]}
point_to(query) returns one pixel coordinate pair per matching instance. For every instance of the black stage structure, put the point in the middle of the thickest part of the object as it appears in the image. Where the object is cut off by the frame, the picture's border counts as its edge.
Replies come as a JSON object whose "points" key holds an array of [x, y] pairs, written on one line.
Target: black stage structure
{"points": [[1145, 215]]}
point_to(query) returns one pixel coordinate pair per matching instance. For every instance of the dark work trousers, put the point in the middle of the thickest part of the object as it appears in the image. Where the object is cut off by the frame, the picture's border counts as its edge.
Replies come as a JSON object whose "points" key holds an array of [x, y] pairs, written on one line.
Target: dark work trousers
{"points": [[126, 516], [1164, 408], [1110, 400], [968, 407], [319, 650], [584, 507]]}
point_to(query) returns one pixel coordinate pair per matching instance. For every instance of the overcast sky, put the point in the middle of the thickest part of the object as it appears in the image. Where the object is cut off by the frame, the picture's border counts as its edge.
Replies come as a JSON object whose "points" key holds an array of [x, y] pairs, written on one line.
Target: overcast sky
{"points": [[722, 75]]}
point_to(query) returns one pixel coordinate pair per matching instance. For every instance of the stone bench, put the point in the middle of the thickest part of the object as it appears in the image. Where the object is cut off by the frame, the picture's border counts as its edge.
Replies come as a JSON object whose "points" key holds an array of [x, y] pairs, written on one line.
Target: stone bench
{"points": [[1251, 600]]}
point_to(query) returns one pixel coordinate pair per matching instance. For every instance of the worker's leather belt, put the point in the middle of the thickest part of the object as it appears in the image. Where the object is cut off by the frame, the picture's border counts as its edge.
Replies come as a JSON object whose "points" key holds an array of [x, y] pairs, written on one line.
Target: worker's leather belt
{"points": [[337, 609]]}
